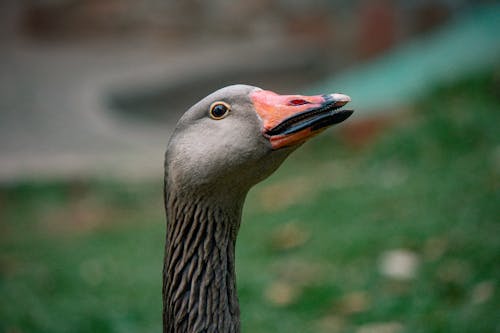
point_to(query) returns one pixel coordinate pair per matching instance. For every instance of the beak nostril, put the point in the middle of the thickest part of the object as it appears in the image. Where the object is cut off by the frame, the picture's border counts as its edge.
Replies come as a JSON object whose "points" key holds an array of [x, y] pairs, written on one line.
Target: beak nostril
{"points": [[295, 102]]}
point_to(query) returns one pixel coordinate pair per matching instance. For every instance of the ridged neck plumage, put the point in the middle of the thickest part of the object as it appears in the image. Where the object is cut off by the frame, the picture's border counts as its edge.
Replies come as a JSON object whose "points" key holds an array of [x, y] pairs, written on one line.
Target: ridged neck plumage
{"points": [[199, 284]]}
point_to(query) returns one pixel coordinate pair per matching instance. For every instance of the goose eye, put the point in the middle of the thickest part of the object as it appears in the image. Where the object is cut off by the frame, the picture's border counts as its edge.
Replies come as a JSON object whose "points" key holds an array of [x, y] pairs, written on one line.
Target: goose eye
{"points": [[219, 110]]}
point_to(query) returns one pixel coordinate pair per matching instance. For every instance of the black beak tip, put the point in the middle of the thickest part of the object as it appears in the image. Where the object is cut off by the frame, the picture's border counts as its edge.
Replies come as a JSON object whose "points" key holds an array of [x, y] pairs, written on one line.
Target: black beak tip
{"points": [[342, 115]]}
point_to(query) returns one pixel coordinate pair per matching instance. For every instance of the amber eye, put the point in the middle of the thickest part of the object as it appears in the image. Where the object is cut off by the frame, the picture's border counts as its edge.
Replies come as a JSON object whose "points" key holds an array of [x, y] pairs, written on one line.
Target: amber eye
{"points": [[219, 110]]}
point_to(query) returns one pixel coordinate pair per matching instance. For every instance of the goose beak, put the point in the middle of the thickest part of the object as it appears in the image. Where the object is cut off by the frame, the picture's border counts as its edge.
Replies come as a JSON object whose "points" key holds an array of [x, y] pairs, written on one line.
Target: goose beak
{"points": [[289, 120]]}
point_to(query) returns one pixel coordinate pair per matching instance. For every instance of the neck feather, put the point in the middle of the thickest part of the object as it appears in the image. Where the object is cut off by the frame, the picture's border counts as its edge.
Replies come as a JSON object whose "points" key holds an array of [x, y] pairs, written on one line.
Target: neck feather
{"points": [[199, 287]]}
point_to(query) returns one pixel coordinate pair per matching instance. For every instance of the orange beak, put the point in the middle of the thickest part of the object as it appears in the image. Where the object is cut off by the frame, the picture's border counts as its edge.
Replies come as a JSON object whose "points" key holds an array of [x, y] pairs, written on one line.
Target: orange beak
{"points": [[292, 119]]}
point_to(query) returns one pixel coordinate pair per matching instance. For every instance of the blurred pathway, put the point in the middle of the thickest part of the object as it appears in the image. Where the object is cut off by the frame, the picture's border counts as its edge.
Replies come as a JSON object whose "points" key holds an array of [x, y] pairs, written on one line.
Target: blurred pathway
{"points": [[52, 121]]}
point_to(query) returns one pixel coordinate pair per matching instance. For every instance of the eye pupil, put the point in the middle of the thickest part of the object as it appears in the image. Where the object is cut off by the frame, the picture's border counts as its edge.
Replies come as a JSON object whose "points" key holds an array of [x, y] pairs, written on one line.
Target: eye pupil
{"points": [[219, 110]]}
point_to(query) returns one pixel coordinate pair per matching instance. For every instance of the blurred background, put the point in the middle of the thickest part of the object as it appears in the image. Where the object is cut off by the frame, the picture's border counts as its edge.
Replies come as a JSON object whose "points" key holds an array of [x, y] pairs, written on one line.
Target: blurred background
{"points": [[387, 223]]}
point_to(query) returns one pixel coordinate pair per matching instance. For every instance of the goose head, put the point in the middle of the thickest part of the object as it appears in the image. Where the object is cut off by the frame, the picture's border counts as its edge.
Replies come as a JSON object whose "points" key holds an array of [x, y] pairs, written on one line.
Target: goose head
{"points": [[238, 135]]}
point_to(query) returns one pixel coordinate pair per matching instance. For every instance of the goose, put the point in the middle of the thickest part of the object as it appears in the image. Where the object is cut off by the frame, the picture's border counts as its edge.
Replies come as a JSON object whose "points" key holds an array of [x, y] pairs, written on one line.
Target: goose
{"points": [[222, 146]]}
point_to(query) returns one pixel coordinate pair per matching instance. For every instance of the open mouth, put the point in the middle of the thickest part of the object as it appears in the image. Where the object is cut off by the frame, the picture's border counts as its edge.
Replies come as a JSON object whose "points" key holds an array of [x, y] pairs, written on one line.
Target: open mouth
{"points": [[289, 120], [314, 119]]}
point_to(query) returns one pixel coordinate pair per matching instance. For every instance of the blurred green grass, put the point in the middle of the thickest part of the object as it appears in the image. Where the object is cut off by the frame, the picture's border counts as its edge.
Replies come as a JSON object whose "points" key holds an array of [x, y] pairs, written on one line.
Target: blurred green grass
{"points": [[86, 255]]}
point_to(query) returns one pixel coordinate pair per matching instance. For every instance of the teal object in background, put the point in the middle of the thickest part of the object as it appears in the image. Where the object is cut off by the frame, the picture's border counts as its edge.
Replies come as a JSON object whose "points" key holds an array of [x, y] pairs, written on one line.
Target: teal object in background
{"points": [[468, 44]]}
